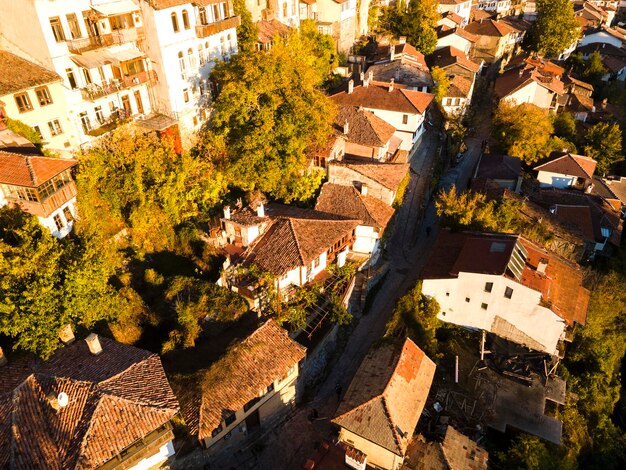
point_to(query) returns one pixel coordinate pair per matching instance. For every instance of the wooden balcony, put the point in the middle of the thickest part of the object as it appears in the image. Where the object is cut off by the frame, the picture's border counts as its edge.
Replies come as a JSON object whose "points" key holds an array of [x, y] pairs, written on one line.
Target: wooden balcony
{"points": [[48, 205], [122, 36], [206, 30], [95, 91]]}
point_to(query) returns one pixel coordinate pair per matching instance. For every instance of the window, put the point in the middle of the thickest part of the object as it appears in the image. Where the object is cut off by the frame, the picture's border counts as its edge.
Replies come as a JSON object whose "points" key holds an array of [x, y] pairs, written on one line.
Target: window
{"points": [[285, 12], [488, 286], [216, 431], [467, 299], [58, 221], [23, 102], [192, 58], [72, 22], [201, 54], [68, 214], [508, 292], [405, 119], [202, 14], [57, 29], [293, 7], [87, 76], [186, 95], [84, 120], [217, 15], [55, 127], [251, 403], [270, 388], [230, 419], [447, 294], [38, 131], [185, 19], [222, 45], [195, 121], [43, 96], [483, 306], [231, 44], [99, 115], [181, 63], [175, 22], [46, 189], [71, 78]]}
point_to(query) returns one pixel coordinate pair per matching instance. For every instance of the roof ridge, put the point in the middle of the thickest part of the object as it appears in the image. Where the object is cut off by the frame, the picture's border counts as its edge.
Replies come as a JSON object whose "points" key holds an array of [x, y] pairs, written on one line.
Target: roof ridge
{"points": [[579, 165], [394, 431], [295, 237]]}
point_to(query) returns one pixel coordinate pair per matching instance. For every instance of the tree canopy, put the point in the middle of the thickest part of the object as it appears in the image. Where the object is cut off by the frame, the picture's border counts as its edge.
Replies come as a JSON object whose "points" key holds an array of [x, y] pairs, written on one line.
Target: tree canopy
{"points": [[247, 32], [556, 27], [442, 83], [46, 283], [524, 131], [603, 143], [417, 22], [268, 114]]}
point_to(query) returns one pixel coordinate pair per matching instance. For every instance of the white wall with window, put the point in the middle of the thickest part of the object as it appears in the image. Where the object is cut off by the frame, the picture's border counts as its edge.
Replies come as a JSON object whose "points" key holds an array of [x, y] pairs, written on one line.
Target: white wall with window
{"points": [[61, 221]]}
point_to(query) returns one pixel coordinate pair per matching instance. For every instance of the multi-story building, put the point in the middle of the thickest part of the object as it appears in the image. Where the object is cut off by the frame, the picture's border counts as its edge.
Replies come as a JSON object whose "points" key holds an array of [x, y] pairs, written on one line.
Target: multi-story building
{"points": [[463, 8], [338, 18], [96, 47], [35, 96], [184, 40], [285, 11]]}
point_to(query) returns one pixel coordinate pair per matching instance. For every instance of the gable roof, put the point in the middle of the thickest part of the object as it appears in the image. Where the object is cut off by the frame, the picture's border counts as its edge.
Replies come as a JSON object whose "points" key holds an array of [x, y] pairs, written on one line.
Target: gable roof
{"points": [[107, 392], [269, 29], [17, 74], [348, 202], [387, 395], [565, 163], [449, 55], [459, 87], [401, 72], [296, 237], [364, 127], [379, 97], [499, 167], [390, 175], [238, 377], [489, 27], [518, 78], [456, 452], [30, 170]]}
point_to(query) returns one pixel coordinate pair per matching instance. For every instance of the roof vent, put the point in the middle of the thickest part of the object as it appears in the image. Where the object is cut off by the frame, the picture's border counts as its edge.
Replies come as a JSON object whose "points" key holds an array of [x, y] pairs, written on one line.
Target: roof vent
{"points": [[346, 127], [350, 86], [541, 267], [66, 334], [364, 189], [3, 358], [94, 344], [260, 210], [391, 85], [227, 212]]}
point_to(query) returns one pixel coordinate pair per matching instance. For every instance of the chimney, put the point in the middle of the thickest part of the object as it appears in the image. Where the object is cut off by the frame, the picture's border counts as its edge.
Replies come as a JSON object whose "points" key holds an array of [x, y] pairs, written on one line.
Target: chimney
{"points": [[58, 402], [402, 40], [392, 52], [363, 189], [370, 76], [391, 85], [521, 71], [66, 335], [260, 210], [346, 127], [365, 81], [541, 267], [350, 86], [3, 358], [604, 103], [227, 212], [94, 344]]}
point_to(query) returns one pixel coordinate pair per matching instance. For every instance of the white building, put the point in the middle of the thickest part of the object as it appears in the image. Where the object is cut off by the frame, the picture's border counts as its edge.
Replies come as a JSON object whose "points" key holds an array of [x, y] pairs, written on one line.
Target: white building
{"points": [[463, 8], [339, 19], [501, 7], [285, 11], [566, 170], [41, 186], [184, 40], [506, 285], [96, 47]]}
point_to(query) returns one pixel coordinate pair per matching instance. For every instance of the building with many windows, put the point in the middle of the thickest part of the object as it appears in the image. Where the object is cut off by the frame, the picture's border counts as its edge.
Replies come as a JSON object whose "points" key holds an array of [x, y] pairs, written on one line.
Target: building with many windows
{"points": [[96, 46]]}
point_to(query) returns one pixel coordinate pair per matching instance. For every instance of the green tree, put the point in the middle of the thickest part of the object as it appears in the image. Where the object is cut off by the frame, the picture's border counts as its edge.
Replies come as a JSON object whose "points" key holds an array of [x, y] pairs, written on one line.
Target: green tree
{"points": [[603, 143], [268, 113], [523, 131], [46, 283], [442, 83], [321, 46], [564, 126], [417, 22], [594, 68], [556, 27], [25, 131], [247, 32], [135, 180]]}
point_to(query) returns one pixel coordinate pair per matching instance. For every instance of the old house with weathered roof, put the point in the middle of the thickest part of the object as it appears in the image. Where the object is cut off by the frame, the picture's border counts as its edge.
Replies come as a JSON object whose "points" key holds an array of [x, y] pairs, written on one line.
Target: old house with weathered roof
{"points": [[506, 285], [403, 64], [95, 404], [495, 39], [41, 186], [400, 107], [566, 170], [384, 402], [503, 170], [461, 8], [349, 202], [458, 38], [383, 180], [245, 391]]}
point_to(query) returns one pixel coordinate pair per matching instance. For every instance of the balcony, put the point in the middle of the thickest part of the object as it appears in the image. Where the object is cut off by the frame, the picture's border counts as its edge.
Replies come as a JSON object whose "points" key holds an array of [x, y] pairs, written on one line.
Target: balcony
{"points": [[206, 30], [96, 91], [98, 128], [122, 36], [48, 205]]}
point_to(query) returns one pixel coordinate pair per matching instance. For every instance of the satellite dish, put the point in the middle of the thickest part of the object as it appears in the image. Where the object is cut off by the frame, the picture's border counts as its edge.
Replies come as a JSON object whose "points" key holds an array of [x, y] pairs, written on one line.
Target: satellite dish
{"points": [[63, 399]]}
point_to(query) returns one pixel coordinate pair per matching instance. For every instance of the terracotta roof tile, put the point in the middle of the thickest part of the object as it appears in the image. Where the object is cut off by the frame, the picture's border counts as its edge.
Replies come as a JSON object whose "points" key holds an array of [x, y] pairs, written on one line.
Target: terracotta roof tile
{"points": [[121, 385], [498, 166], [390, 175], [387, 395], [379, 97], [268, 30], [364, 127], [347, 201], [245, 370], [459, 87], [17, 74], [566, 163], [31, 170], [449, 55], [489, 28]]}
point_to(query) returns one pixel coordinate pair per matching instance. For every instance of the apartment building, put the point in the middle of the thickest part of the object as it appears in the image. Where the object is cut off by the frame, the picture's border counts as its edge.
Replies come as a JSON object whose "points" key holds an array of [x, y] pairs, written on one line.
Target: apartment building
{"points": [[338, 18], [96, 46], [184, 40], [285, 11]]}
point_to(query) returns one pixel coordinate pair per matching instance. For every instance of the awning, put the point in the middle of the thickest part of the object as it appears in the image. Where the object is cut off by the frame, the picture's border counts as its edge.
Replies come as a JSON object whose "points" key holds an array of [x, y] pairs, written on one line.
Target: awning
{"points": [[98, 58], [125, 55], [117, 7]]}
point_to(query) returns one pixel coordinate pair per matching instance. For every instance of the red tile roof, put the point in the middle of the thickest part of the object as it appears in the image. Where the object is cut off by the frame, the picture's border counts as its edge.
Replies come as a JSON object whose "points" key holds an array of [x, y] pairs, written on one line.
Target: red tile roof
{"points": [[387, 395], [489, 28], [115, 399], [17, 74], [268, 30], [364, 127], [499, 167], [566, 163], [449, 55], [518, 78], [30, 171], [238, 377], [460, 87], [379, 97], [390, 175], [347, 201]]}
